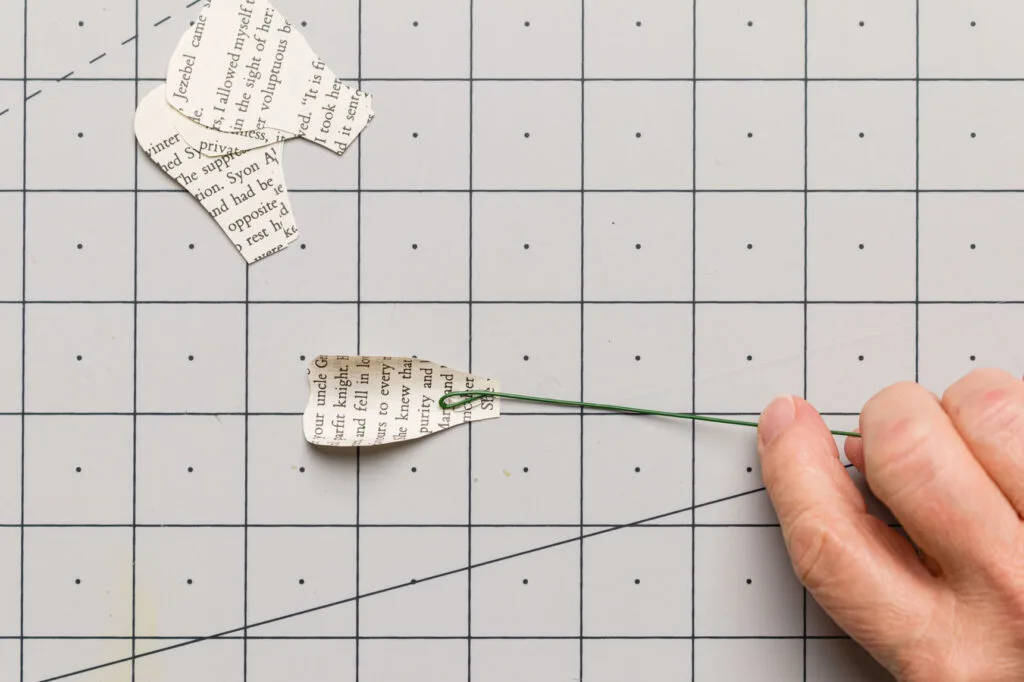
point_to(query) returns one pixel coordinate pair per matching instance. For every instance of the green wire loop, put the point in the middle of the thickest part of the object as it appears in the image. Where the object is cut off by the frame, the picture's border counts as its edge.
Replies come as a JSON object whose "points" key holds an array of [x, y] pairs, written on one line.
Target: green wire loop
{"points": [[468, 397]]}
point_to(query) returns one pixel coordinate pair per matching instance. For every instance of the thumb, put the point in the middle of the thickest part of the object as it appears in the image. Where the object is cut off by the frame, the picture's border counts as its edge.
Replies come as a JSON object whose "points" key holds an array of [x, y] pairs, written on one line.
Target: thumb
{"points": [[862, 573]]}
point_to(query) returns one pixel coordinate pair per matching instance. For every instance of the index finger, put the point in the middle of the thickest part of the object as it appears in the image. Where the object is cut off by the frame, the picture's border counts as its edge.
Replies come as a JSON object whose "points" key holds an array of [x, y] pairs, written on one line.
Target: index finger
{"points": [[863, 573]]}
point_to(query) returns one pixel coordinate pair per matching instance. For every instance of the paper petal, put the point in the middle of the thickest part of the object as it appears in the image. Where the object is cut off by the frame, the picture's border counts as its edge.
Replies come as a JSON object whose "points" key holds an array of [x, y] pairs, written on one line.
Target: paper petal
{"points": [[245, 67], [245, 193], [366, 400]]}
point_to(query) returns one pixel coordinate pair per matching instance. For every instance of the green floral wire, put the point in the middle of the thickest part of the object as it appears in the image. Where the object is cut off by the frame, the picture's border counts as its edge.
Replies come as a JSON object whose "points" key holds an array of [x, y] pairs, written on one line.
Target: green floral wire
{"points": [[472, 396]]}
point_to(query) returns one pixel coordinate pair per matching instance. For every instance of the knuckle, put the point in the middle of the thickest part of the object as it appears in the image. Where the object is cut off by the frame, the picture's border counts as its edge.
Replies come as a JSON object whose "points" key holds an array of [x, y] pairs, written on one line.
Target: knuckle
{"points": [[812, 547], [901, 451], [996, 414]]}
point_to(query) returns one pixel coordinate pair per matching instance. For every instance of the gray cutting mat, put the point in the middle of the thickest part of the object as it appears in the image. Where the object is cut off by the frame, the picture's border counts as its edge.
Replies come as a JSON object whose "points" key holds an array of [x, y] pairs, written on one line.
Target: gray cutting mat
{"points": [[644, 202]]}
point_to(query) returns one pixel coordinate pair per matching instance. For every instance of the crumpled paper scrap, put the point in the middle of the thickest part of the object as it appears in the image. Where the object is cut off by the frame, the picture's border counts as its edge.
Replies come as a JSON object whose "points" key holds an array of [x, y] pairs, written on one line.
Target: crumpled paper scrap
{"points": [[244, 67], [243, 190], [362, 400]]}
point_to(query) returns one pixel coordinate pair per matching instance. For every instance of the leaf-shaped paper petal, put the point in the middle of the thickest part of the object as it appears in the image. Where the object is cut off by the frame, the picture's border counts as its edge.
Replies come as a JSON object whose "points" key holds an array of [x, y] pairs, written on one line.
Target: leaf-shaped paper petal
{"points": [[245, 193], [243, 67], [374, 400]]}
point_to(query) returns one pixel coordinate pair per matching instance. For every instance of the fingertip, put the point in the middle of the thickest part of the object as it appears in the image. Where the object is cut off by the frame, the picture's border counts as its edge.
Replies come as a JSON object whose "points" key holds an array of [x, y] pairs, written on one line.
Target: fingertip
{"points": [[777, 418]]}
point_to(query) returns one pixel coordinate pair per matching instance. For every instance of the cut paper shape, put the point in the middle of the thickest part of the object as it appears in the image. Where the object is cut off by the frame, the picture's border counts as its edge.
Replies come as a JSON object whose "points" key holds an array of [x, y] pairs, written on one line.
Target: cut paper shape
{"points": [[374, 400], [244, 190], [244, 67]]}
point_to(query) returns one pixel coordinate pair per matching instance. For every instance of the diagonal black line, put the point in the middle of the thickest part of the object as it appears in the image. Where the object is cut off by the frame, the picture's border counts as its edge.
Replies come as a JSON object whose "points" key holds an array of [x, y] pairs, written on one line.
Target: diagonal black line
{"points": [[4, 112], [32, 95], [415, 581], [97, 58], [128, 40], [162, 20], [66, 76]]}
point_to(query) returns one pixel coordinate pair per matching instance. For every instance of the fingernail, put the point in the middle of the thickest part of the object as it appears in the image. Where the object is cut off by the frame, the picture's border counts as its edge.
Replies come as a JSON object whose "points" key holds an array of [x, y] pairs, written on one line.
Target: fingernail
{"points": [[776, 418]]}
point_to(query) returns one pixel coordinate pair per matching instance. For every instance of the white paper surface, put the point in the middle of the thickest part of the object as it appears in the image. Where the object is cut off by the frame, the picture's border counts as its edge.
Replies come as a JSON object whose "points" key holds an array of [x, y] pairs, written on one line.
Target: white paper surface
{"points": [[244, 67], [244, 191], [366, 401]]}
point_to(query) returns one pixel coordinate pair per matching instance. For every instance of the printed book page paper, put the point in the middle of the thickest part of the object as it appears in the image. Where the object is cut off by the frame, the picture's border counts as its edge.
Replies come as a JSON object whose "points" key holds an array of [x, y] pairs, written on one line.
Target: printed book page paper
{"points": [[365, 401], [244, 192], [213, 143], [244, 67]]}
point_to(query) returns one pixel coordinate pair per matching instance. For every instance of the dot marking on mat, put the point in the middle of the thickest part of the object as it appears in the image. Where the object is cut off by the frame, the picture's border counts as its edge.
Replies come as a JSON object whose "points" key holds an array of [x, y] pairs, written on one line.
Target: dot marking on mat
{"points": [[638, 247], [302, 470], [301, 581], [749, 581], [78, 357], [191, 246], [750, 470], [750, 358], [81, 246], [78, 469], [78, 581]]}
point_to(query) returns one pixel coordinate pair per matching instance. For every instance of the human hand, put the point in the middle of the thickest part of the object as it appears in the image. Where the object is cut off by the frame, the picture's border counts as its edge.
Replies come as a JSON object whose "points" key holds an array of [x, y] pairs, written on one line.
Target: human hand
{"points": [[951, 470]]}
